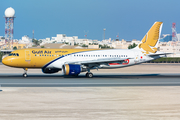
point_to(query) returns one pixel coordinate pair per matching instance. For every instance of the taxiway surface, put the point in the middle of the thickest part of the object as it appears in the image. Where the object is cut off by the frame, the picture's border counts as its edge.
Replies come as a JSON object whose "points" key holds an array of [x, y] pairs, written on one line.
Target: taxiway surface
{"points": [[138, 75], [99, 80]]}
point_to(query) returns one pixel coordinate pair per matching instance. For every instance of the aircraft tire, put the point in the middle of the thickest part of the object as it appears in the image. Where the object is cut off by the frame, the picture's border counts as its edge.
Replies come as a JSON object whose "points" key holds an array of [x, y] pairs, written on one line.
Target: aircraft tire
{"points": [[25, 75], [89, 75]]}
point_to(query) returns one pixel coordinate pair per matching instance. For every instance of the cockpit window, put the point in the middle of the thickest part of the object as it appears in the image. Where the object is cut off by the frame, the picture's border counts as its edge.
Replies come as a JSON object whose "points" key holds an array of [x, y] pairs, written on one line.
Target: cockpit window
{"points": [[13, 54], [10, 54]]}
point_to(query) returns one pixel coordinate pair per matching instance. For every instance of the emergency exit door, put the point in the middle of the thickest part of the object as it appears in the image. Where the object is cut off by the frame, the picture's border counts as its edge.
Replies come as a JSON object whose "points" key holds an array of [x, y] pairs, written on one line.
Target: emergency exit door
{"points": [[27, 55]]}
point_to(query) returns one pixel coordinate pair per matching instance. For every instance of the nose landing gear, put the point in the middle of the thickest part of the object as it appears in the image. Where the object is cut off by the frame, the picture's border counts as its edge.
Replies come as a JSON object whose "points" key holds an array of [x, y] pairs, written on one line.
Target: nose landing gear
{"points": [[25, 72]]}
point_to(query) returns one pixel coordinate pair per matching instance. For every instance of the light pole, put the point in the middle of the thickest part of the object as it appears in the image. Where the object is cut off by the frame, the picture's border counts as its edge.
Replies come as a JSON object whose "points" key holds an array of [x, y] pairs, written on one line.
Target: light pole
{"points": [[104, 32]]}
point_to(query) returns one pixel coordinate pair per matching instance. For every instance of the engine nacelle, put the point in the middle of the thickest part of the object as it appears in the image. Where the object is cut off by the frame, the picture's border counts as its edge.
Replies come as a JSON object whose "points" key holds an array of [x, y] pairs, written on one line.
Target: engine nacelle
{"points": [[72, 69], [50, 70]]}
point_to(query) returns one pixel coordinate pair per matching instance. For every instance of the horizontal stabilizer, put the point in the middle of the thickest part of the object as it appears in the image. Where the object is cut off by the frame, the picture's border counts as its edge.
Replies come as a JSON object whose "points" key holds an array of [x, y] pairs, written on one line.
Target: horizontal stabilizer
{"points": [[151, 55]]}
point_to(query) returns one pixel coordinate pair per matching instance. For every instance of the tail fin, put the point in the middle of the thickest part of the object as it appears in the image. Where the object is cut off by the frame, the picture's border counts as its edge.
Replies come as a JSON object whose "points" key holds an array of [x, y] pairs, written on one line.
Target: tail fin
{"points": [[149, 43]]}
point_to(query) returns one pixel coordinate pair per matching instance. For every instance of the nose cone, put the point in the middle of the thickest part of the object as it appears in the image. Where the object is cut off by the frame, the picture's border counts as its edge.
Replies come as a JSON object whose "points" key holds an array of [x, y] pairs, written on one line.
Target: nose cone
{"points": [[5, 61]]}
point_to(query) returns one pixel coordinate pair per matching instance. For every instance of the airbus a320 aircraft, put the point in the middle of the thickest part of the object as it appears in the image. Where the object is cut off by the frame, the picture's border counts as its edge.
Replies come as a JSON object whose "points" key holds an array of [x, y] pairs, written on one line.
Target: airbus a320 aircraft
{"points": [[75, 61]]}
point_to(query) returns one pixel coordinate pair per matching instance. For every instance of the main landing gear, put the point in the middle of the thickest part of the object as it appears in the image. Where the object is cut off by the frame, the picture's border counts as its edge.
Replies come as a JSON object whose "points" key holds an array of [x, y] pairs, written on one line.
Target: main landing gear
{"points": [[89, 75], [25, 72]]}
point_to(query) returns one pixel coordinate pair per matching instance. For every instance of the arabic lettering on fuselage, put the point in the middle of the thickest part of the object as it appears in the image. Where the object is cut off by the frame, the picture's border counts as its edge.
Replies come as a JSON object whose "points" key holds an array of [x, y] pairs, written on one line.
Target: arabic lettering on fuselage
{"points": [[61, 51]]}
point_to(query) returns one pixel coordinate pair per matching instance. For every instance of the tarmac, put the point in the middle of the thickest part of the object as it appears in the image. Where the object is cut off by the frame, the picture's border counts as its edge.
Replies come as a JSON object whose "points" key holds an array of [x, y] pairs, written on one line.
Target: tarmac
{"points": [[146, 91], [87, 103]]}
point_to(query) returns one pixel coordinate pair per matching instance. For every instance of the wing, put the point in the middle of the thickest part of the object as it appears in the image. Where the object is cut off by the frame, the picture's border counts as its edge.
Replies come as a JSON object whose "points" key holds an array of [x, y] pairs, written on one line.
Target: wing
{"points": [[99, 61]]}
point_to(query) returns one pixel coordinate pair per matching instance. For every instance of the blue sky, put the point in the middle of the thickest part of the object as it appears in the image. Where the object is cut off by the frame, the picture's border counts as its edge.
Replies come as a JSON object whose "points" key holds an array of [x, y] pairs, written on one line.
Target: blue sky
{"points": [[130, 18]]}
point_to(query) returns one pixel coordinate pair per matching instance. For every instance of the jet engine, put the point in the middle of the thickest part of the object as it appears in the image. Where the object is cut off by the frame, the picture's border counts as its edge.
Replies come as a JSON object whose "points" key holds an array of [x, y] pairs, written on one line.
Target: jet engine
{"points": [[72, 69], [50, 70]]}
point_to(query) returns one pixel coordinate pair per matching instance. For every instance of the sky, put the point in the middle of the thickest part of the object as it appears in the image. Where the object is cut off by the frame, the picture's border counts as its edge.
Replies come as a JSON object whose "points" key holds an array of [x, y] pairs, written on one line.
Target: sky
{"points": [[130, 18]]}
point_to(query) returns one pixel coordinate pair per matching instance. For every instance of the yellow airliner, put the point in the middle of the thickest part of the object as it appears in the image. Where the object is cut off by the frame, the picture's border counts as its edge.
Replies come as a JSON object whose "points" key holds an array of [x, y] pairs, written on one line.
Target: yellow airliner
{"points": [[75, 61]]}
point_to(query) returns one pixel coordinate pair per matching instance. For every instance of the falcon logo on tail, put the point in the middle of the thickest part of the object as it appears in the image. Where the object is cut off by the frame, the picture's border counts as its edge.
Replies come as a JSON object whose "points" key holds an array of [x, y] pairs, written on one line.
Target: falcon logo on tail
{"points": [[149, 43]]}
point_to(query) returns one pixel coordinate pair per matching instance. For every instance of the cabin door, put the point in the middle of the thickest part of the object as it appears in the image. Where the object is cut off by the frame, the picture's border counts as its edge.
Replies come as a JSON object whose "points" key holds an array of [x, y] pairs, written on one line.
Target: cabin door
{"points": [[27, 55]]}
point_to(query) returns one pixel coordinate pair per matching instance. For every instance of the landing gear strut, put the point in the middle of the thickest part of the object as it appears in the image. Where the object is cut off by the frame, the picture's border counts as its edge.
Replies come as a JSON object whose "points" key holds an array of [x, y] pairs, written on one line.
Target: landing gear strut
{"points": [[89, 74], [25, 72]]}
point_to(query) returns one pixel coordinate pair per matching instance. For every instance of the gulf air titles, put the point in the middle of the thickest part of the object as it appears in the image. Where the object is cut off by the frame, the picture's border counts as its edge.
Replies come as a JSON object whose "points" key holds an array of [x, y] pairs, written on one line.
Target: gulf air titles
{"points": [[75, 61]]}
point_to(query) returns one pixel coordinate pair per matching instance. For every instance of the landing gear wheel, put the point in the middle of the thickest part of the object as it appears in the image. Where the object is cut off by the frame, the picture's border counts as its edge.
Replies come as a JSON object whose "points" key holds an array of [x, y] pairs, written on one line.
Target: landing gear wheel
{"points": [[89, 75], [25, 75], [25, 72]]}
